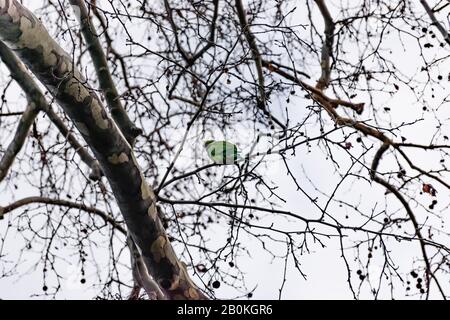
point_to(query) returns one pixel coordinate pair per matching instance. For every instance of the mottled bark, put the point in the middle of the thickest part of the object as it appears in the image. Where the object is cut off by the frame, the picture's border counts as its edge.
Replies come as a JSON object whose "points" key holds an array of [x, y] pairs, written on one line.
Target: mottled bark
{"points": [[26, 35], [141, 277], [105, 79], [36, 103]]}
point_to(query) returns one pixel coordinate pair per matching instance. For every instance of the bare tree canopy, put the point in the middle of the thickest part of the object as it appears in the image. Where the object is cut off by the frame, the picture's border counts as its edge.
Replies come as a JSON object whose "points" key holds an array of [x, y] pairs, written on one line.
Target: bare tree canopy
{"points": [[180, 149]]}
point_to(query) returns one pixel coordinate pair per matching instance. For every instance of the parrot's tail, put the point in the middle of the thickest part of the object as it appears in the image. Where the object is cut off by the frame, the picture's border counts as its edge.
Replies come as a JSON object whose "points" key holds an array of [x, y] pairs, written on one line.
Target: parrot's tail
{"points": [[239, 158]]}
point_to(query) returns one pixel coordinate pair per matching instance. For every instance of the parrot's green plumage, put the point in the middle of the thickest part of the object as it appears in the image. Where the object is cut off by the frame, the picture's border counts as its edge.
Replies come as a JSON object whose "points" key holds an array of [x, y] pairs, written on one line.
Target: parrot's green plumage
{"points": [[222, 152]]}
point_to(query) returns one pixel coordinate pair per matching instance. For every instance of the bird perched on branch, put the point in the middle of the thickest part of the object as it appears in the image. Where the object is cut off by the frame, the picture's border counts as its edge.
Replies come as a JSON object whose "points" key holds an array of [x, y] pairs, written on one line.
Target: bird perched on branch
{"points": [[222, 152]]}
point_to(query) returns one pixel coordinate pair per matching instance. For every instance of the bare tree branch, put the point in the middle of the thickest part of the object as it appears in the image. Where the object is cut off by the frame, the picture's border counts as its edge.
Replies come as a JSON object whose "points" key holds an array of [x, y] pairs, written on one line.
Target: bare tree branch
{"points": [[107, 85], [62, 203], [23, 128], [327, 46], [141, 276], [251, 40], [376, 161], [36, 102], [23, 32], [435, 21]]}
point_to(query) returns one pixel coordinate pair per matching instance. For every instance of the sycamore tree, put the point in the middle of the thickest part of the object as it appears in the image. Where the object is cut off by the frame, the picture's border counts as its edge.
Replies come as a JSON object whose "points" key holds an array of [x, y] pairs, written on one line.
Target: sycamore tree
{"points": [[339, 110]]}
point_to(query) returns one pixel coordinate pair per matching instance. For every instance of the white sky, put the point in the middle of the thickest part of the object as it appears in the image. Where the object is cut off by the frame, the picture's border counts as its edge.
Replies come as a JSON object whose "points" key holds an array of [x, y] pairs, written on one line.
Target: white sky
{"points": [[325, 270]]}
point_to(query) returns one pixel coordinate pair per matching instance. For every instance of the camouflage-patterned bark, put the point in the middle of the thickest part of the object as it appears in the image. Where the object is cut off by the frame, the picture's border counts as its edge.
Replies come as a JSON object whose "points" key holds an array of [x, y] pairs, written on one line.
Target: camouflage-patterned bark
{"points": [[29, 39], [118, 113], [36, 103]]}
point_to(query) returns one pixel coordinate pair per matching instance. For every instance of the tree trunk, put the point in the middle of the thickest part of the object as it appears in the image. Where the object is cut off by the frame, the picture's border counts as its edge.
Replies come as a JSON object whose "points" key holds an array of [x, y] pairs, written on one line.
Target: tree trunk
{"points": [[29, 39]]}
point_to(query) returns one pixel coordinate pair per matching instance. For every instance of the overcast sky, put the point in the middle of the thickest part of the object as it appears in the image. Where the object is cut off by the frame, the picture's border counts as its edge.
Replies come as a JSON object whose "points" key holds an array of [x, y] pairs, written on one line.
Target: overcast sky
{"points": [[325, 270]]}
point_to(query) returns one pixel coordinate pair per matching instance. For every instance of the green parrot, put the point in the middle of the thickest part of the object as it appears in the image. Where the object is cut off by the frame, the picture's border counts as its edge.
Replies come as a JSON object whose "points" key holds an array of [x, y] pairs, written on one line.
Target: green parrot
{"points": [[222, 152]]}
